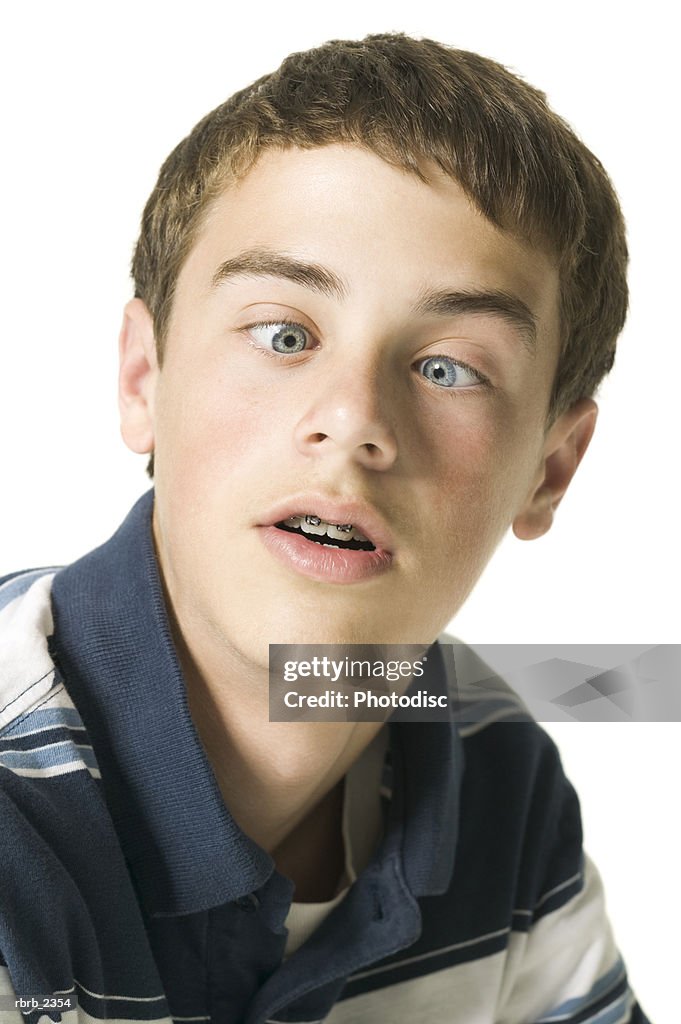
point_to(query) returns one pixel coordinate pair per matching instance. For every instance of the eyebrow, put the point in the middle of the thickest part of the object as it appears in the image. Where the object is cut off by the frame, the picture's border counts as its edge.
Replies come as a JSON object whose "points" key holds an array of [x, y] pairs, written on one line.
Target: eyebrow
{"points": [[495, 303], [260, 262], [265, 263]]}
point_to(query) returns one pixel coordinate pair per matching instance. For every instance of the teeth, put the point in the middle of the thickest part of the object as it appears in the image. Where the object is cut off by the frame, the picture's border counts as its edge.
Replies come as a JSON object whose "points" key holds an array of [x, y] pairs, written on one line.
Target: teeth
{"points": [[318, 527], [340, 532], [313, 524]]}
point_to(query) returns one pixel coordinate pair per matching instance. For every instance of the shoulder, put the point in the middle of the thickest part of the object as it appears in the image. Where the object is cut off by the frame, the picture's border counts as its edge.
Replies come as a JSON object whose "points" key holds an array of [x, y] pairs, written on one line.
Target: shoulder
{"points": [[27, 672], [40, 729], [488, 713], [496, 727], [53, 816], [520, 854], [518, 809]]}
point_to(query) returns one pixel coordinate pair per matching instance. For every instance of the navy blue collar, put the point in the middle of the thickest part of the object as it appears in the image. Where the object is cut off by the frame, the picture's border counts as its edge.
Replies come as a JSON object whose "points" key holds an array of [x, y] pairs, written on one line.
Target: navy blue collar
{"points": [[113, 643]]}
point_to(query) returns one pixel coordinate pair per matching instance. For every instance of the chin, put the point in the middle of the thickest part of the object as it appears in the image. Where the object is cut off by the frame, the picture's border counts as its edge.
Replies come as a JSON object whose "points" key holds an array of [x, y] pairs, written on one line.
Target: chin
{"points": [[344, 629]]}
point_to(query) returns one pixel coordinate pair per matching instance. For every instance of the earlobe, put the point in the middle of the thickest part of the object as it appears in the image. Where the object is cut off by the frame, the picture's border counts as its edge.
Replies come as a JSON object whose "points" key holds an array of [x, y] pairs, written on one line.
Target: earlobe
{"points": [[138, 373], [564, 447]]}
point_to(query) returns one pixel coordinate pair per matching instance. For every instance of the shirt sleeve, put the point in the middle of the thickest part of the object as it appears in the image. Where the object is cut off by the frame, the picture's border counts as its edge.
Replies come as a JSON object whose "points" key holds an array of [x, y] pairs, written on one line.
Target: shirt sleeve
{"points": [[563, 965], [566, 968]]}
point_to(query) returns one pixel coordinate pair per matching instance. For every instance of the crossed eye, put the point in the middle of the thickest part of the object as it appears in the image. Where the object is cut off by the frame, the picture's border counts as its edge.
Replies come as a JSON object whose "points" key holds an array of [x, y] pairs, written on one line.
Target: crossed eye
{"points": [[282, 337], [289, 339], [446, 373]]}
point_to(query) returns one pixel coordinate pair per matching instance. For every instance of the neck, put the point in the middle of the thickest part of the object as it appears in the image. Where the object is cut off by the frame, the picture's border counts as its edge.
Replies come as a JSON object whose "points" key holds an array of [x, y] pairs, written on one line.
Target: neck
{"points": [[280, 780]]}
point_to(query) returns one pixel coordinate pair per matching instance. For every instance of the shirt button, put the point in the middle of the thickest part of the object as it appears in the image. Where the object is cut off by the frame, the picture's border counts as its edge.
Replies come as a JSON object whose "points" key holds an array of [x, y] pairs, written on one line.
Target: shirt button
{"points": [[249, 903]]}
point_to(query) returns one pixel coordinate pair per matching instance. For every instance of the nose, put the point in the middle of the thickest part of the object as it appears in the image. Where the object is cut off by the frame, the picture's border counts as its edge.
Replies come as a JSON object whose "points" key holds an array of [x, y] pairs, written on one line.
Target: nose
{"points": [[348, 420]]}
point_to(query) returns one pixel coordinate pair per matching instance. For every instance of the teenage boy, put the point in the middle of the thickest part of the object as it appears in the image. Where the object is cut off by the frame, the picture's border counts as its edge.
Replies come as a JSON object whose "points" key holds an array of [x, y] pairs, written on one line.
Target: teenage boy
{"points": [[375, 293]]}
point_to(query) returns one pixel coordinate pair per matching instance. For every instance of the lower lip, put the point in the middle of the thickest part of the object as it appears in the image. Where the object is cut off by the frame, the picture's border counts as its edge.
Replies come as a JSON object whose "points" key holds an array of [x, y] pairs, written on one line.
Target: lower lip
{"points": [[327, 565]]}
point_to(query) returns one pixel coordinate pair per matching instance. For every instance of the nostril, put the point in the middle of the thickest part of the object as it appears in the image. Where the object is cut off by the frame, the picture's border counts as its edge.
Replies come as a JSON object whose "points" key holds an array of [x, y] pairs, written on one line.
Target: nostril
{"points": [[318, 438]]}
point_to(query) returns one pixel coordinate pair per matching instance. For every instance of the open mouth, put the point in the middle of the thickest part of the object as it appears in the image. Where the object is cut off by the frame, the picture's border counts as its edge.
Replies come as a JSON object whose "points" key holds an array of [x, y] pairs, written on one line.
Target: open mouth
{"points": [[330, 535], [328, 550]]}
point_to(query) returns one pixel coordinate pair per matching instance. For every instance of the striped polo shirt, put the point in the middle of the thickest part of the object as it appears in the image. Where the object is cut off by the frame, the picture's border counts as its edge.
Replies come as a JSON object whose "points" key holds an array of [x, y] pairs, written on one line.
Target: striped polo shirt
{"points": [[128, 891]]}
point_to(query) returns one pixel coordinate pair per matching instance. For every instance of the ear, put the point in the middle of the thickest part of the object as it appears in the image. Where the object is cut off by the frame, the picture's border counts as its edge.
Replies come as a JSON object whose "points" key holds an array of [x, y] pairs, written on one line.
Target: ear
{"points": [[565, 444], [138, 373]]}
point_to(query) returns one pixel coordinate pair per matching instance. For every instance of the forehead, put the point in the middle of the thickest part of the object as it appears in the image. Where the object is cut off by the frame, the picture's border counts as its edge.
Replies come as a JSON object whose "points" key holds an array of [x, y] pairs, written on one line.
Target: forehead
{"points": [[381, 230]]}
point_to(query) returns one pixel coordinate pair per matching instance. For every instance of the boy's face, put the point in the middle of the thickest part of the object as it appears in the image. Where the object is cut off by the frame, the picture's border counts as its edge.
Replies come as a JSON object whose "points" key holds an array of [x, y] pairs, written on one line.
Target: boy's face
{"points": [[408, 395]]}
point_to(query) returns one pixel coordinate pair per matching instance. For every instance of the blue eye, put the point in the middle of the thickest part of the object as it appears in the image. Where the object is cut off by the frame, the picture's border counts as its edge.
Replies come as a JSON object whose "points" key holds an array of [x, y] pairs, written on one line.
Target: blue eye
{"points": [[446, 373], [284, 338]]}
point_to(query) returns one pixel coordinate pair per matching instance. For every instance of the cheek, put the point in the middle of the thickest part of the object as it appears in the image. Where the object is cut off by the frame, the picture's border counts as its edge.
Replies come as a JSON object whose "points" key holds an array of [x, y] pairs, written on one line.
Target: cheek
{"points": [[211, 425], [481, 470], [465, 448]]}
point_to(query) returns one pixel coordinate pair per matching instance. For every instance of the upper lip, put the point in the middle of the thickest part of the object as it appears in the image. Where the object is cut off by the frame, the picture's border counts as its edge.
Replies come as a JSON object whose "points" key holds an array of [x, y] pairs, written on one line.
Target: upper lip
{"points": [[336, 511]]}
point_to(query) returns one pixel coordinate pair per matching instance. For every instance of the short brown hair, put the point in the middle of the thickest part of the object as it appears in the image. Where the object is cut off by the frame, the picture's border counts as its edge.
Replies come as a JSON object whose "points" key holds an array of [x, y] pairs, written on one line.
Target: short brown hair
{"points": [[410, 100]]}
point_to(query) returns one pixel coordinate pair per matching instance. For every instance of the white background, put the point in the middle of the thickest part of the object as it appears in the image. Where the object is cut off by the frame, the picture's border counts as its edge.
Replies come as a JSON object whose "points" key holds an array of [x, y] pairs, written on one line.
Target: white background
{"points": [[94, 99]]}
